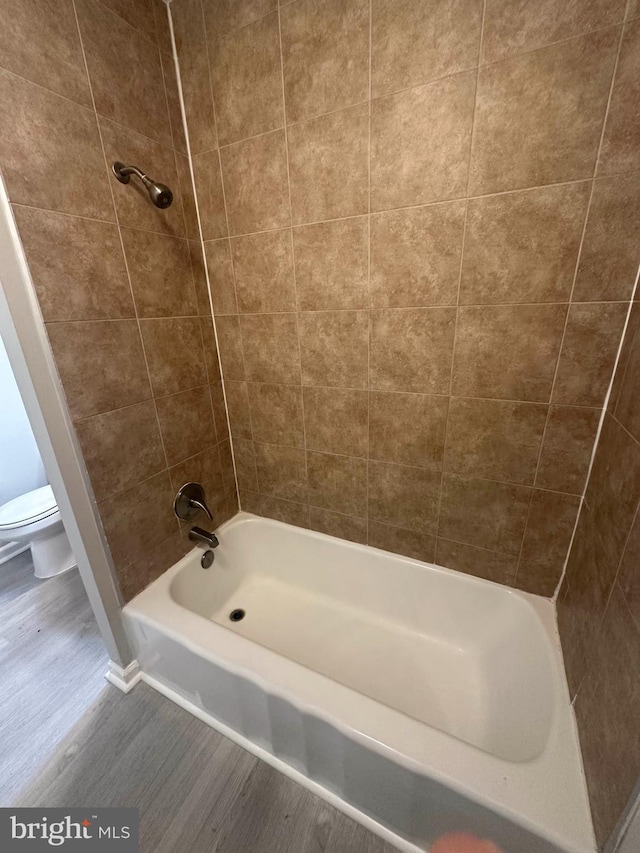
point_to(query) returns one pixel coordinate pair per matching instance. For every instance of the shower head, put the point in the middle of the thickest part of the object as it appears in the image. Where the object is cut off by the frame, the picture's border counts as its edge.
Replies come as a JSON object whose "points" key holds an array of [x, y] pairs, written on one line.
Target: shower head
{"points": [[159, 194]]}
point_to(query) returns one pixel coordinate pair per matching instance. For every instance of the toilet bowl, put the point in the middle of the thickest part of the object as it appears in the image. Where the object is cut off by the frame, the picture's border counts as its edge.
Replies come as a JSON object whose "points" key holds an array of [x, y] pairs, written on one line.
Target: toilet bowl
{"points": [[33, 520]]}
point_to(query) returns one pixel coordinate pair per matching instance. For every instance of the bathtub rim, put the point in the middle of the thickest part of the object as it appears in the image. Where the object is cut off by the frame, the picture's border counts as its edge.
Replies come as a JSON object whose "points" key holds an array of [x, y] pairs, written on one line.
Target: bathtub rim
{"points": [[442, 751]]}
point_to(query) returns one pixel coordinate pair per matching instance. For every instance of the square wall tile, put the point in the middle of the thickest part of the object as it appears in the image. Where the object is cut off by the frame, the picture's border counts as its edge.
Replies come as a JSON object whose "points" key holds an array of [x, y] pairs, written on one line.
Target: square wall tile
{"points": [[191, 44], [221, 280], [521, 134], [121, 448], [511, 27], [429, 160], [204, 468], [51, 170], [629, 574], [325, 54], [270, 346], [282, 471], [621, 142], [41, 42], [523, 246], [269, 507], [139, 14], [159, 161], [160, 272], [230, 342], [245, 458], [219, 411], [332, 264], [483, 513], [276, 413], [415, 256], [328, 167], [496, 439], [263, 267], [550, 524], [411, 349], [156, 560], [613, 491], [407, 428], [338, 483], [77, 266], [136, 519], [211, 360], [588, 353], [173, 97], [582, 600], [627, 358], [413, 43], [566, 449], [607, 713], [397, 540], [125, 71], [610, 254], [237, 401], [164, 346], [187, 194], [186, 423], [247, 80], [507, 351], [101, 365], [336, 421], [490, 565], [627, 403], [255, 183], [334, 348], [226, 15], [208, 181], [338, 525], [404, 497]]}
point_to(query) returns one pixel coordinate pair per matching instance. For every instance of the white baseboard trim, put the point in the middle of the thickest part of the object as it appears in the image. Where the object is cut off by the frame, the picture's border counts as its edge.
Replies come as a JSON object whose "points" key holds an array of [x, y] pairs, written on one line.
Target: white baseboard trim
{"points": [[316, 788], [124, 679]]}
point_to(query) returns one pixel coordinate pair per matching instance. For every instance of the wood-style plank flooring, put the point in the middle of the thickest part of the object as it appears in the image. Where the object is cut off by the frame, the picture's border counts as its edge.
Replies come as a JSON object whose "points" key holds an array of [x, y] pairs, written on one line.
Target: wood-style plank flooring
{"points": [[68, 738]]}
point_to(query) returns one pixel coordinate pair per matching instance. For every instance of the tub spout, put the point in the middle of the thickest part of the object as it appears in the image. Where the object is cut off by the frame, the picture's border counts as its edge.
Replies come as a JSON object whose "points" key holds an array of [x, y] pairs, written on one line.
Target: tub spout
{"points": [[197, 534]]}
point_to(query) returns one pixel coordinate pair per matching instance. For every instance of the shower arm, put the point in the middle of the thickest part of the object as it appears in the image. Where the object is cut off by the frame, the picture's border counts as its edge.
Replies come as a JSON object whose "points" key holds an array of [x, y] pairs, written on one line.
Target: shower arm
{"points": [[160, 194], [123, 173]]}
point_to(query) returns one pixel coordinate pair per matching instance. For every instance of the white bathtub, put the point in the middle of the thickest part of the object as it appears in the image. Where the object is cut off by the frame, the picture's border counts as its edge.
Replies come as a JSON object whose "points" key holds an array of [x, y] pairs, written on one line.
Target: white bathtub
{"points": [[415, 698]]}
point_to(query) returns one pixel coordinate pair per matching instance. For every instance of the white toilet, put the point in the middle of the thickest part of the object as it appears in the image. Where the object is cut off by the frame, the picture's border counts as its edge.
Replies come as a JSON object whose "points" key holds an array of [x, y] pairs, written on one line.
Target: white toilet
{"points": [[33, 521]]}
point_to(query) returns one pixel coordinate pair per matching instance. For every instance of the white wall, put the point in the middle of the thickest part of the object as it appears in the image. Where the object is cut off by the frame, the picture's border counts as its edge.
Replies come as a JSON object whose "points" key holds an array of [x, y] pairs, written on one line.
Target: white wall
{"points": [[21, 468]]}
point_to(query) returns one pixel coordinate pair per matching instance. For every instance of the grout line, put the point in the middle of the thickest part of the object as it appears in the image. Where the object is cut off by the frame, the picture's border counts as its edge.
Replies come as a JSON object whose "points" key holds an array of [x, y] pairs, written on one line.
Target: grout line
{"points": [[202, 248], [375, 390], [381, 212], [624, 328], [90, 109], [124, 254], [293, 258], [625, 430], [477, 66]]}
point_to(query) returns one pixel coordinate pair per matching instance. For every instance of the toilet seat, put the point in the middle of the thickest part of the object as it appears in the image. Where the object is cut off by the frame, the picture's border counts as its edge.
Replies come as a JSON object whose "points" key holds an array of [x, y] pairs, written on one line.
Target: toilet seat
{"points": [[28, 509]]}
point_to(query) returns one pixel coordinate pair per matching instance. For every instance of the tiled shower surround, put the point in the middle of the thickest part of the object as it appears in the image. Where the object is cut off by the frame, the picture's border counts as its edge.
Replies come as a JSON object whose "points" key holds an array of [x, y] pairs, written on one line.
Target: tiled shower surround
{"points": [[599, 602], [420, 223], [81, 85], [421, 240]]}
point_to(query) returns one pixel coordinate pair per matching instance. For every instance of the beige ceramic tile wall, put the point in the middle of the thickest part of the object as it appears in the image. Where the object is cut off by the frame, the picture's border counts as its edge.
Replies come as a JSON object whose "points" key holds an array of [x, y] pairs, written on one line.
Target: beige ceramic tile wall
{"points": [[394, 197], [599, 602], [119, 282]]}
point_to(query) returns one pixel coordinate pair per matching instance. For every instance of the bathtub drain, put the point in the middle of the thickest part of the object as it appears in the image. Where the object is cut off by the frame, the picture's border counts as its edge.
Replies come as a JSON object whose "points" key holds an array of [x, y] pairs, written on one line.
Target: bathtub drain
{"points": [[236, 615]]}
